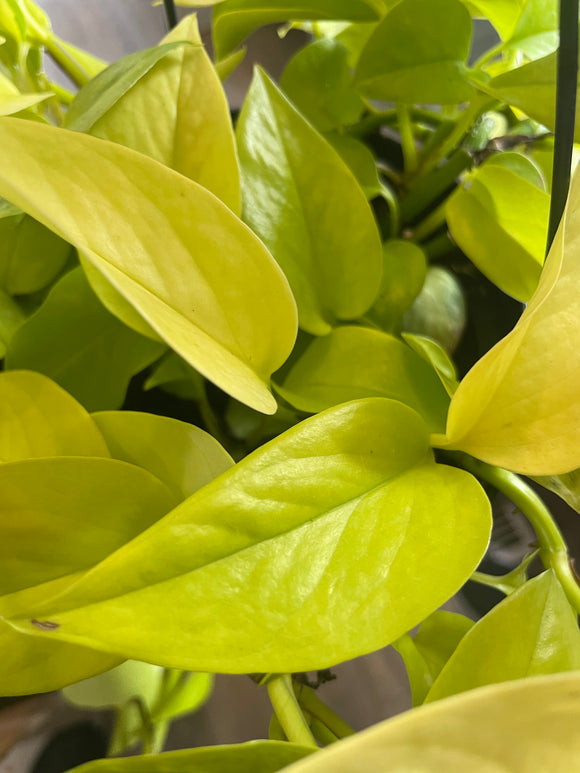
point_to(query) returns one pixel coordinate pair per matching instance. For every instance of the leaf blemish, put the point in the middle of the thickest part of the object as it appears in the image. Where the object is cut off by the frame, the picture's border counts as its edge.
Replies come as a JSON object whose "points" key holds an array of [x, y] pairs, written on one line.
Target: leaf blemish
{"points": [[45, 625]]}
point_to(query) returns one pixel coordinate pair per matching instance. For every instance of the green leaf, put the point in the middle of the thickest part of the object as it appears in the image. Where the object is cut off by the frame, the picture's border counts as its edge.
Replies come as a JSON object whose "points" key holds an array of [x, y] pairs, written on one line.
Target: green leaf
{"points": [[536, 31], [234, 20], [503, 14], [74, 340], [318, 81], [190, 695], [178, 378], [437, 357], [519, 406], [117, 687], [356, 362], [418, 53], [524, 727], [500, 221], [438, 311], [11, 318], [184, 457], [88, 62], [252, 757], [42, 537], [427, 653], [305, 204], [31, 256], [532, 89], [272, 571], [102, 92], [404, 274], [566, 486], [235, 332], [533, 631], [360, 160], [39, 419], [17, 102]]}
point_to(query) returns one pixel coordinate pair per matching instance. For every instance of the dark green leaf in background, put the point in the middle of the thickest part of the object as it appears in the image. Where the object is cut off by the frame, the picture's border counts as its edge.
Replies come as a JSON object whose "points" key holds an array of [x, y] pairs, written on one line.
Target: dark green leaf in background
{"points": [[404, 273]]}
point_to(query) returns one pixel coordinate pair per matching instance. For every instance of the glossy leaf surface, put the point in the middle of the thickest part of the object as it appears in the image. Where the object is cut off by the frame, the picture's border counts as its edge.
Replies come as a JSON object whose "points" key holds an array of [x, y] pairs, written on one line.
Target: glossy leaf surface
{"points": [[418, 53], [309, 574], [74, 340], [184, 120], [184, 457], [41, 502], [318, 81], [524, 726], [355, 362], [39, 419], [500, 221], [235, 337], [305, 204], [536, 30], [518, 407], [533, 631], [11, 317], [234, 20], [438, 358], [503, 14], [252, 757]]}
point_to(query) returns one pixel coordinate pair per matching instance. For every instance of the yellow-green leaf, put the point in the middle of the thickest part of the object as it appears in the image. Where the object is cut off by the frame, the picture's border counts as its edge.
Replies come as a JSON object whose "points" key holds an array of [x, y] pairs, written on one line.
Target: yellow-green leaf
{"points": [[326, 543], [519, 406], [521, 727], [39, 419], [221, 301]]}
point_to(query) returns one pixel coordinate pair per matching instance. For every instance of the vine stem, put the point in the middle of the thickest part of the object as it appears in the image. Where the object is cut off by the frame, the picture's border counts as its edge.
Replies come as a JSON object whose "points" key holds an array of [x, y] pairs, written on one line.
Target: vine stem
{"points": [[66, 62], [308, 698], [288, 711], [553, 548], [566, 85], [407, 139]]}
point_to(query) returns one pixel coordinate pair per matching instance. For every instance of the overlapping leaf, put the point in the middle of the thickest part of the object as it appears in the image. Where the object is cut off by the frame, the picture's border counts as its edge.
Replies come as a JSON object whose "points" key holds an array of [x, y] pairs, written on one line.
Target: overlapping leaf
{"points": [[418, 53], [307, 207], [234, 20], [86, 350], [524, 726], [500, 221], [355, 362], [324, 544], [168, 254], [518, 407], [533, 631]]}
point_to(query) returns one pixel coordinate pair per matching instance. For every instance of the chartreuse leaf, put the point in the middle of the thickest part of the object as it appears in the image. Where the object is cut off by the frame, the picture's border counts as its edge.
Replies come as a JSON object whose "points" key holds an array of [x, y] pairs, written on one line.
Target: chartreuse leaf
{"points": [[184, 120], [184, 457], [355, 362], [44, 543], [31, 256], [307, 207], [117, 686], [518, 407], [252, 757], [306, 574], [404, 274], [437, 357], [503, 14], [532, 89], [88, 62], [73, 339], [536, 30], [524, 726], [39, 419], [318, 81], [361, 162], [533, 631], [11, 317], [418, 53], [221, 301], [427, 653], [566, 486], [41, 502], [499, 220], [234, 20]]}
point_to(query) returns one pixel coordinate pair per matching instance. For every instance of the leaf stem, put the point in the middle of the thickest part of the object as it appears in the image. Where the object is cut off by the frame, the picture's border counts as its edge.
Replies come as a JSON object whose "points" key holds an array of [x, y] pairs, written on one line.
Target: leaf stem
{"points": [[66, 62], [454, 138], [566, 85], [288, 711], [553, 549], [308, 698], [170, 13], [407, 139]]}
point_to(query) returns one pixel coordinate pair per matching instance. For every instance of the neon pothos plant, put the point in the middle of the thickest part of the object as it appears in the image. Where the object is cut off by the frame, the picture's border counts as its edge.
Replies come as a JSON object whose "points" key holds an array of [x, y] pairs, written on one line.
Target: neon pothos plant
{"points": [[298, 286]]}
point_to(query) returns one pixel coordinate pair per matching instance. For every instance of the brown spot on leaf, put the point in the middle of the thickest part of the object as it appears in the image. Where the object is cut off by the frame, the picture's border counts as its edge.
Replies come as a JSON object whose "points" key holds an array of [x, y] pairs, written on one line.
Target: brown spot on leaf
{"points": [[45, 625]]}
